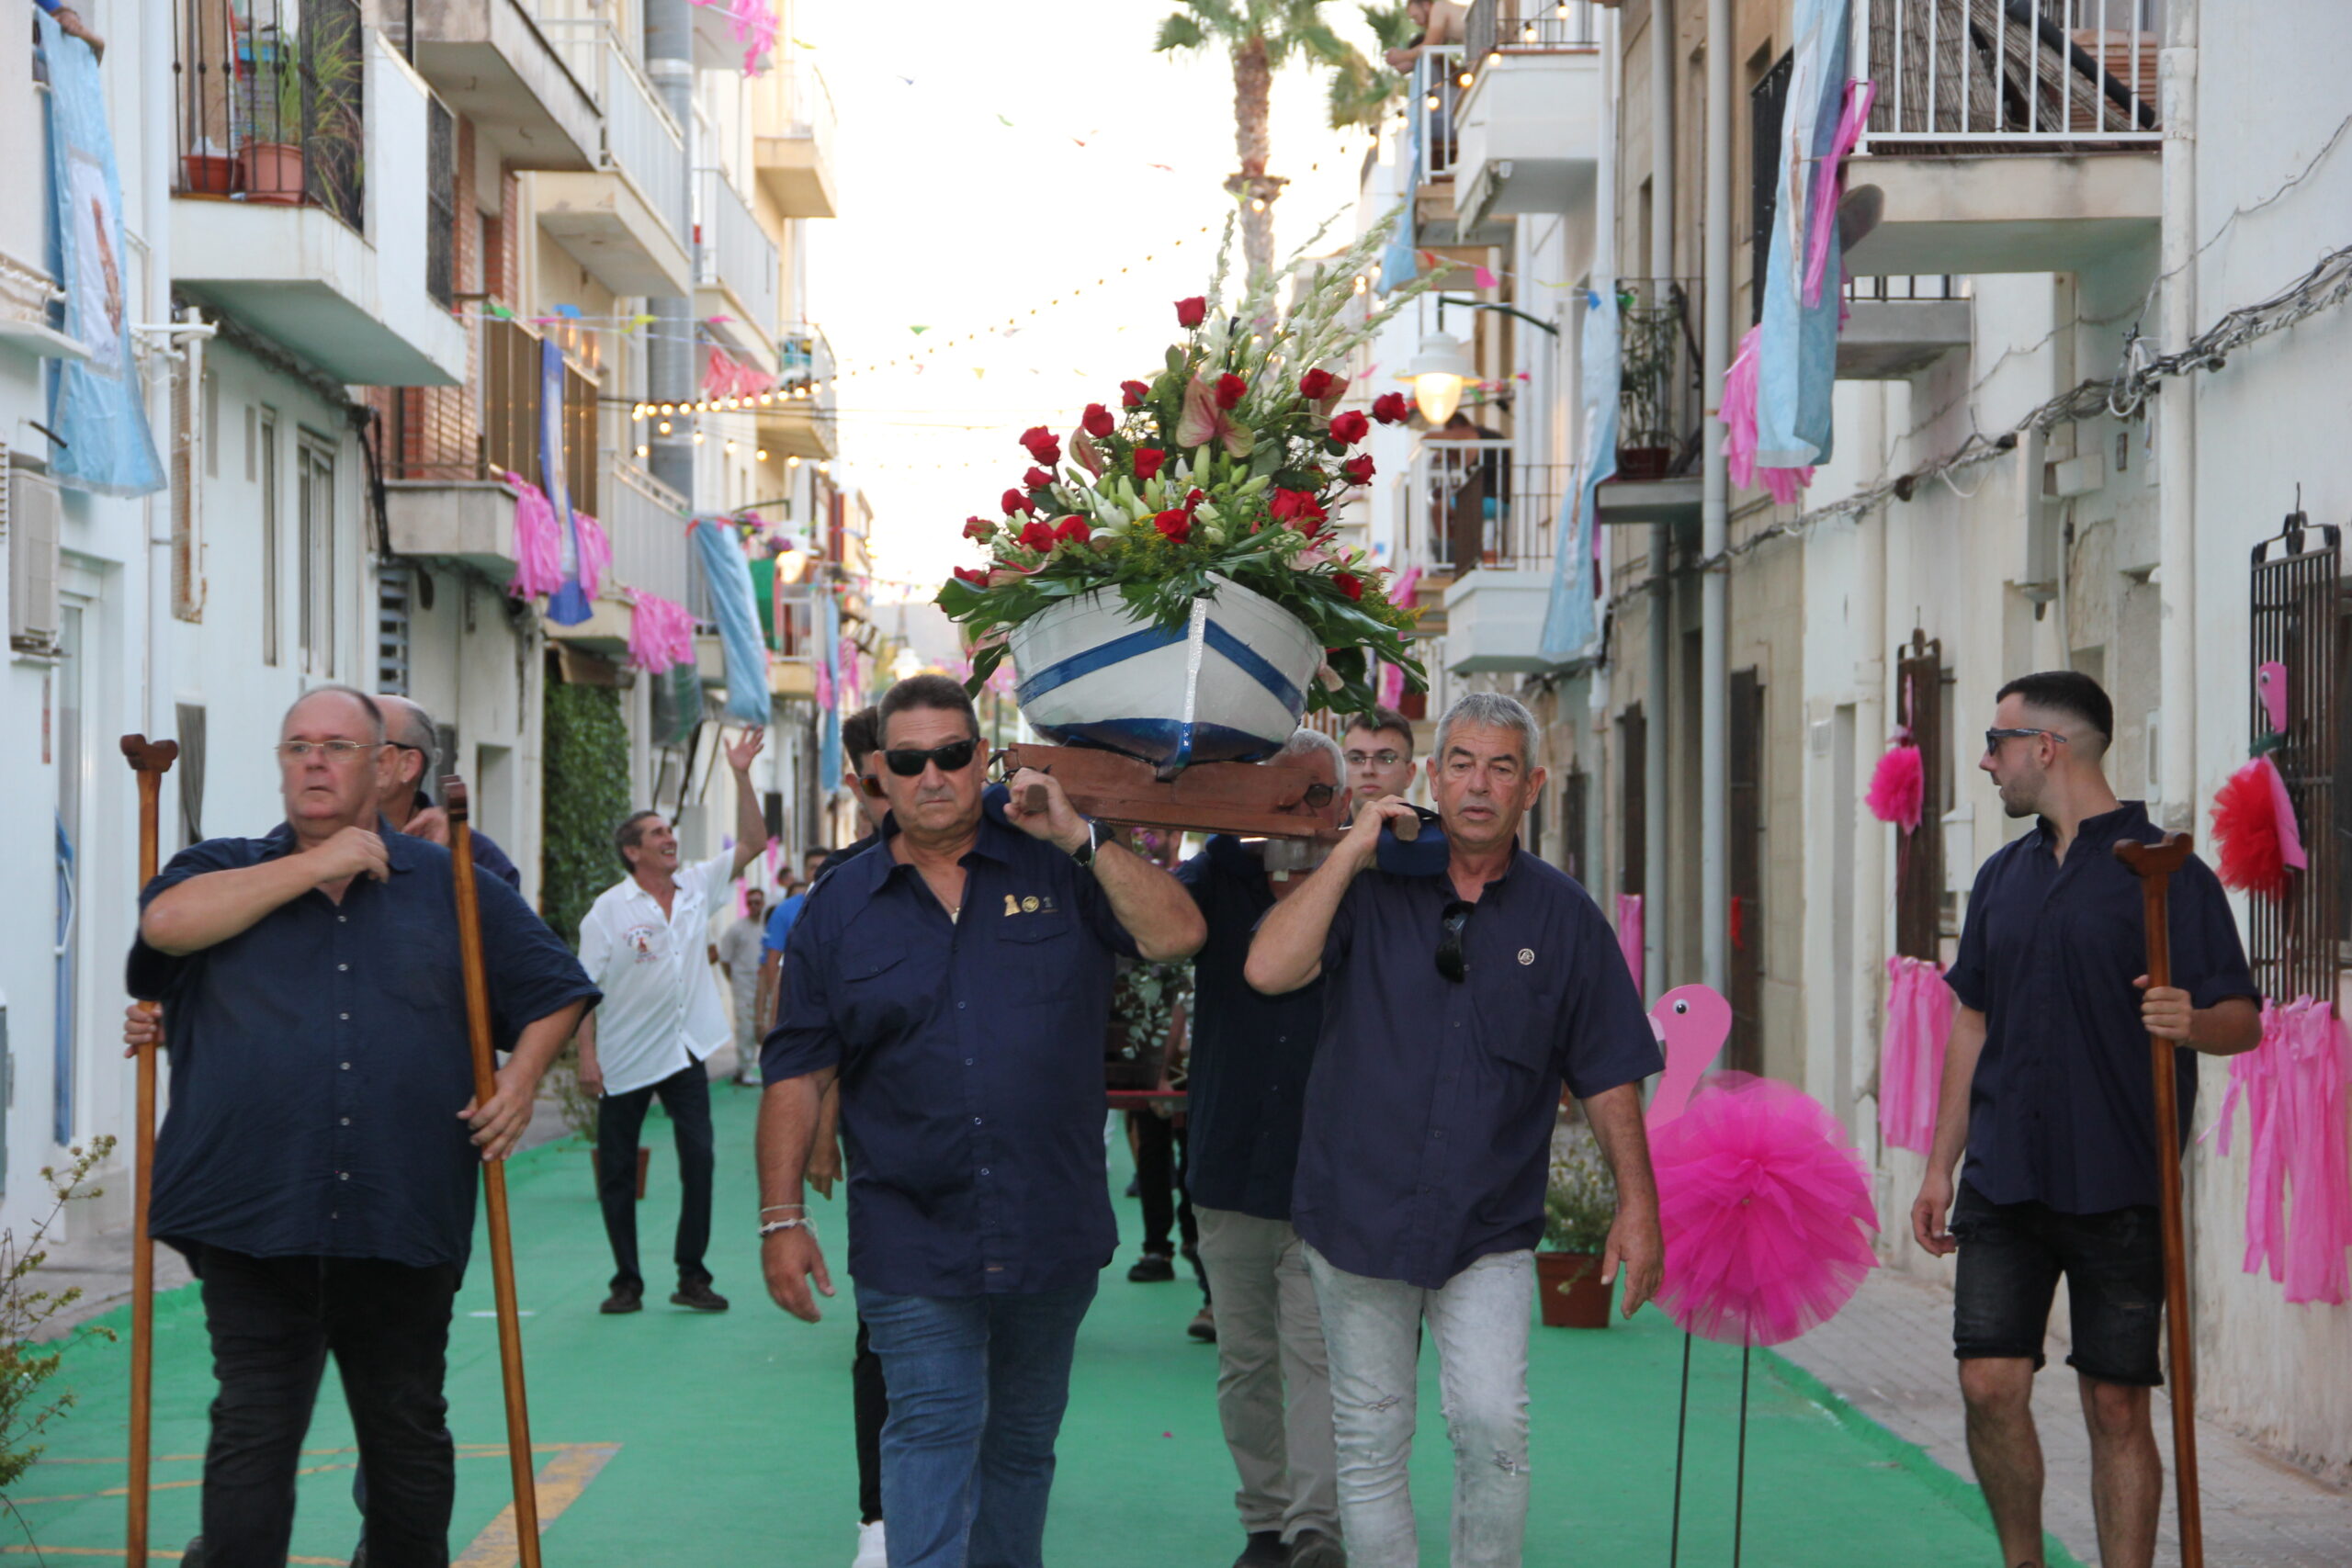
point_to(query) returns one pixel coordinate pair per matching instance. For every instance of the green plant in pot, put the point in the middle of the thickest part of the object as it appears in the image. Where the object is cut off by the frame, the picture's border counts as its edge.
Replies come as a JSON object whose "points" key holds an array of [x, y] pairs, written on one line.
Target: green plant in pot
{"points": [[1580, 1205]]}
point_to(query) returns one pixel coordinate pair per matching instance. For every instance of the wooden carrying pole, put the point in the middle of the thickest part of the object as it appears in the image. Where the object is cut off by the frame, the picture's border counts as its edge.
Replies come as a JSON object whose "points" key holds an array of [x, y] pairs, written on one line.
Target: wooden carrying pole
{"points": [[2154, 864], [493, 1176], [151, 761]]}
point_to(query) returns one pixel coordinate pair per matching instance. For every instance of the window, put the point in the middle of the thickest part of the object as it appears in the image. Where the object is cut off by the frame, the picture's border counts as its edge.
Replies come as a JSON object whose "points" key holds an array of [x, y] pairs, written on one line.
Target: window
{"points": [[1919, 854], [2297, 623], [1767, 102], [273, 542], [314, 518], [440, 204], [1574, 790]]}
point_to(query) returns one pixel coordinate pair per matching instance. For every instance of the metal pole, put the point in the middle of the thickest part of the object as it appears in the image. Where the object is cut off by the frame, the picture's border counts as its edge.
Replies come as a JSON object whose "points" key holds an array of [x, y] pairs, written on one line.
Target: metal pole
{"points": [[1661, 244], [2176, 426], [1714, 933]]}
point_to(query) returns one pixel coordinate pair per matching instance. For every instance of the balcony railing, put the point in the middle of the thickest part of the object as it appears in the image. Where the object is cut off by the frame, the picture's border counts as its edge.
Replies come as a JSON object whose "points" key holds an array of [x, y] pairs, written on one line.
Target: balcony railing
{"points": [[1437, 84], [641, 140], [645, 520], [804, 360], [272, 104], [1995, 74], [1527, 25], [807, 106], [1660, 403], [511, 387], [1473, 504], [732, 248], [1902, 289]]}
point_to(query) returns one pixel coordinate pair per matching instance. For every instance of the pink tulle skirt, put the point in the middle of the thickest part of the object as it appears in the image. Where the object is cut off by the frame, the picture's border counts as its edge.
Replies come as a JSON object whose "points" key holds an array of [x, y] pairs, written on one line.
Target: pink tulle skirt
{"points": [[1767, 1212]]}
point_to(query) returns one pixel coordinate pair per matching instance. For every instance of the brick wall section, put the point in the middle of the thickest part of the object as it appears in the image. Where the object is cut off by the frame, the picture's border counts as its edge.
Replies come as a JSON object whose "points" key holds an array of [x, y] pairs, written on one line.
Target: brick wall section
{"points": [[438, 429]]}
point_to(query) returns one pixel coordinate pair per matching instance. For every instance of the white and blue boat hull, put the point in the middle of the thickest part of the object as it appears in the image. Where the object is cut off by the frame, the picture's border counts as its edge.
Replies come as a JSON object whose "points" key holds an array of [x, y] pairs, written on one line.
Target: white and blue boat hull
{"points": [[1228, 686]]}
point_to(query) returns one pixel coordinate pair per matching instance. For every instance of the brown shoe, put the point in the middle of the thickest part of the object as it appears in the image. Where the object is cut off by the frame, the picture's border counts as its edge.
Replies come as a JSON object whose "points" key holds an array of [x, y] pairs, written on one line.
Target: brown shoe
{"points": [[1203, 1326]]}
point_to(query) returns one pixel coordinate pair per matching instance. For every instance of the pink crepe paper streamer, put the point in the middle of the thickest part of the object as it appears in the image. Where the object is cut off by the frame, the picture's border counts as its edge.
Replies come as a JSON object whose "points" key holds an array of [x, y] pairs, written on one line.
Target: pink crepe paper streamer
{"points": [[1739, 430], [1484, 278], [2297, 1088], [825, 692], [1825, 211], [852, 689], [660, 635], [596, 552], [1629, 934], [1911, 1054], [1898, 786], [1392, 685], [538, 557]]}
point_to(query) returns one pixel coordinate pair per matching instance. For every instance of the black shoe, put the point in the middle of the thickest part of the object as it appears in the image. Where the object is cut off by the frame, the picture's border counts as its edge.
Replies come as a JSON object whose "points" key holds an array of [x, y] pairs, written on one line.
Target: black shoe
{"points": [[1313, 1548], [699, 1296], [1264, 1550], [1134, 1186], [1203, 1326], [1153, 1269], [623, 1298]]}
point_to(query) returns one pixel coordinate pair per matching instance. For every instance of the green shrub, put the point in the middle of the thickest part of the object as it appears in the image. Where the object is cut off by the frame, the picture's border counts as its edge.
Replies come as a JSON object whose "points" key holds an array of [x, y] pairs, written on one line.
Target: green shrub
{"points": [[26, 1365], [583, 794]]}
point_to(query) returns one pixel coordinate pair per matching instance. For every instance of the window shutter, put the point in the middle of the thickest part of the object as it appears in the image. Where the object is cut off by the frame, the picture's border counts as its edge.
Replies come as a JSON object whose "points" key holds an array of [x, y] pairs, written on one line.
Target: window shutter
{"points": [[1919, 854], [2297, 624]]}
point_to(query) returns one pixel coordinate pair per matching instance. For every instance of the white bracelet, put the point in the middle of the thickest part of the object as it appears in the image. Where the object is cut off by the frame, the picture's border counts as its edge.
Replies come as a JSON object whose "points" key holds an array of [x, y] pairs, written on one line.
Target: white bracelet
{"points": [[773, 1226]]}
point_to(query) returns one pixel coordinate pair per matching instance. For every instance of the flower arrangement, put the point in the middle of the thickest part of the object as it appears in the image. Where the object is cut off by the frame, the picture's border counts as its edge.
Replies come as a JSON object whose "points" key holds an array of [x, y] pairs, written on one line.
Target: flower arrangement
{"points": [[1224, 465]]}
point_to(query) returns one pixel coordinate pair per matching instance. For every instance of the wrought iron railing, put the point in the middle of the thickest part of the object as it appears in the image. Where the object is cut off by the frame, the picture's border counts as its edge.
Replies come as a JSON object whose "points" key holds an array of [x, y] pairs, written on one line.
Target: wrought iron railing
{"points": [[1437, 84], [272, 104], [2012, 73], [1527, 25], [1661, 408], [491, 426], [1879, 289], [1475, 504], [730, 248], [641, 139]]}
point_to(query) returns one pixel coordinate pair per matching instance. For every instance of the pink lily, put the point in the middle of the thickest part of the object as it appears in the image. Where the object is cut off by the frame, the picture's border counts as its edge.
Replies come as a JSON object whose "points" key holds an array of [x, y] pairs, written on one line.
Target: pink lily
{"points": [[1085, 454]]}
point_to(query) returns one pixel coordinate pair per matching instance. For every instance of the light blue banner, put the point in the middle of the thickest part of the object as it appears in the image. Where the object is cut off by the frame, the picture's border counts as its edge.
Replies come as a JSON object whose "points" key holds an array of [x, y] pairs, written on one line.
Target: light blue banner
{"points": [[568, 607], [730, 576], [828, 653], [1796, 351], [1571, 621]]}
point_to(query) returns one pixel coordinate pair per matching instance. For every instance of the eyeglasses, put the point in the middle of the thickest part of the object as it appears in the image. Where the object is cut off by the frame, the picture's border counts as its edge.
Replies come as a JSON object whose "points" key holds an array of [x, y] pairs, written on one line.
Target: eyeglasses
{"points": [[1993, 737], [1450, 962], [334, 750], [908, 761], [1318, 795], [1375, 758]]}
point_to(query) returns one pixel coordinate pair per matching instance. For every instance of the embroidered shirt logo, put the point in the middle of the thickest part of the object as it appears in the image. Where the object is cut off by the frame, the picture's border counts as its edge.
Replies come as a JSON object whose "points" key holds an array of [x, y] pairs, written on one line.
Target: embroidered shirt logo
{"points": [[639, 940], [1527, 955], [1027, 904]]}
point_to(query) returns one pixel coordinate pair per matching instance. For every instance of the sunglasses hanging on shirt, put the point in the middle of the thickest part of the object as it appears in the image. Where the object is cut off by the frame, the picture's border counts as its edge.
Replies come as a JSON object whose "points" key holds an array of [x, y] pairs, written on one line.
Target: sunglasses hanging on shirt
{"points": [[1451, 961]]}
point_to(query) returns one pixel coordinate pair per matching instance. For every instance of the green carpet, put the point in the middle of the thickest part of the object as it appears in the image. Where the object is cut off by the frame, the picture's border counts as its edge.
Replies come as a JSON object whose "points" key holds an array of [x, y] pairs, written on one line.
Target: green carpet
{"points": [[734, 1431]]}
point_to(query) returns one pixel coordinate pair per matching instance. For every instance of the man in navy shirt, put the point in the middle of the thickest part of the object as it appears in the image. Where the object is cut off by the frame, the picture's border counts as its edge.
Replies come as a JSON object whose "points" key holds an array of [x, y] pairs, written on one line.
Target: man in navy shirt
{"points": [[2046, 1087], [318, 1161], [1456, 1003], [416, 743], [1249, 1056], [956, 981]]}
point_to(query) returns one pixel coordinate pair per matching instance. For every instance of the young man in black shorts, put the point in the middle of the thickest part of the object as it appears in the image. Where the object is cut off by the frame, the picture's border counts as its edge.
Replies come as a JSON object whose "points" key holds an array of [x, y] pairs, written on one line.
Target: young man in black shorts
{"points": [[2047, 1090]]}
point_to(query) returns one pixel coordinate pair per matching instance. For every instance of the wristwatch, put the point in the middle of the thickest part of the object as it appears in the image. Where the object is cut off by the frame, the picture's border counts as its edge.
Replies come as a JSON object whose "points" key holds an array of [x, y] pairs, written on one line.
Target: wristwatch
{"points": [[1084, 853]]}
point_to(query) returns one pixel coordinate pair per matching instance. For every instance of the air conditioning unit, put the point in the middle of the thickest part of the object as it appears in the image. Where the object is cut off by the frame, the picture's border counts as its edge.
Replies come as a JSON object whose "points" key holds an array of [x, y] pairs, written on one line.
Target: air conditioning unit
{"points": [[32, 520]]}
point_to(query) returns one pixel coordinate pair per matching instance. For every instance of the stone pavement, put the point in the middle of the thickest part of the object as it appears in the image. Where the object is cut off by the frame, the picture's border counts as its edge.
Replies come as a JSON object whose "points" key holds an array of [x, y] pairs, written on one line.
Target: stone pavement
{"points": [[1889, 1356]]}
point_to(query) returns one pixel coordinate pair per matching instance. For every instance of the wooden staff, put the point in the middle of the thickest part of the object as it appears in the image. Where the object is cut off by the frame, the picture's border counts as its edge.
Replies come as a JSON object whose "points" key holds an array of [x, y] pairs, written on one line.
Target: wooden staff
{"points": [[2154, 864], [151, 761], [493, 1176]]}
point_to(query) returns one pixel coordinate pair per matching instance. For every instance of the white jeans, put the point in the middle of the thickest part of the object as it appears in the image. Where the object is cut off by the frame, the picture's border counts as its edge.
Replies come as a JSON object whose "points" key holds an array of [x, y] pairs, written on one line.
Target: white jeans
{"points": [[1371, 1327], [1273, 1381]]}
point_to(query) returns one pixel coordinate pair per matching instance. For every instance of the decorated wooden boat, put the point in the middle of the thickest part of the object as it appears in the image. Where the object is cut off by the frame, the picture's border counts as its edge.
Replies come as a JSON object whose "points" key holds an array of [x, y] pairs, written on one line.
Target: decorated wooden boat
{"points": [[1228, 686]]}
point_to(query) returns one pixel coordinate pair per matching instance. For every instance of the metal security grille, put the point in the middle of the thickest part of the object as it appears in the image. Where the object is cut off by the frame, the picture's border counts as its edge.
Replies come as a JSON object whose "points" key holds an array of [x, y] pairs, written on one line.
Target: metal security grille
{"points": [[1919, 855], [2297, 611], [441, 203], [1633, 802], [394, 589], [1744, 868]]}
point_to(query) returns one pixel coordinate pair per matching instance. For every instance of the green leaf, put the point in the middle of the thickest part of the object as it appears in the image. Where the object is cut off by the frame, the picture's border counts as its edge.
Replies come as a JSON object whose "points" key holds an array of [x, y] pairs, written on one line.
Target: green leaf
{"points": [[1178, 32]]}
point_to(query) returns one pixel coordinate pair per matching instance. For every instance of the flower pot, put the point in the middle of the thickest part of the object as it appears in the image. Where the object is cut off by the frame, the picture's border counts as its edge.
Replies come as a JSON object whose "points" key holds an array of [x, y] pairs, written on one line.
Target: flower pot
{"points": [[644, 1162], [206, 174], [1227, 686], [1644, 462], [1569, 1291], [272, 172]]}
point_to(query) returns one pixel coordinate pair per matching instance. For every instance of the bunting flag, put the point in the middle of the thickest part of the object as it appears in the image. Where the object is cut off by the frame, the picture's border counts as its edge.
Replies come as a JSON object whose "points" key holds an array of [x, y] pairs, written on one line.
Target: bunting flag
{"points": [[730, 576], [829, 643], [1571, 620], [568, 605]]}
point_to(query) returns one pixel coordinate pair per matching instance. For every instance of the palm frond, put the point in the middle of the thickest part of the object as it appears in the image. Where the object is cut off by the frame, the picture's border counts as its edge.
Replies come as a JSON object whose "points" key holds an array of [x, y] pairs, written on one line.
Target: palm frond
{"points": [[1390, 25], [1178, 31]]}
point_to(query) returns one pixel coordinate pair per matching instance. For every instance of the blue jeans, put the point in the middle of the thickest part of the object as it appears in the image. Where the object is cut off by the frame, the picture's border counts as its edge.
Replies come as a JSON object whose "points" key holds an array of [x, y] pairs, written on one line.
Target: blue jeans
{"points": [[978, 1387]]}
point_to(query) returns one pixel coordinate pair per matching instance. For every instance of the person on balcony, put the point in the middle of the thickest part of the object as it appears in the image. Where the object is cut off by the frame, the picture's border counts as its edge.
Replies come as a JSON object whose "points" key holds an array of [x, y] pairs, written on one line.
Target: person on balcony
{"points": [[1442, 24], [69, 22]]}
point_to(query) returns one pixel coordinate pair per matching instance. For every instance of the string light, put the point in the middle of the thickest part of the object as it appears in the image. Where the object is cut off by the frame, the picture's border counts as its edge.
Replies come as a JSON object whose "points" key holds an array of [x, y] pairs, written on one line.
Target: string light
{"points": [[697, 437], [665, 427], [762, 453], [730, 447], [643, 450], [793, 461]]}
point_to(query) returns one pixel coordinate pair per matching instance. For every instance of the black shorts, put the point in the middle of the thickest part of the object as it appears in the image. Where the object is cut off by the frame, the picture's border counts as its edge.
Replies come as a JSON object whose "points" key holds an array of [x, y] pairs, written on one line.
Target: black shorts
{"points": [[2011, 1256]]}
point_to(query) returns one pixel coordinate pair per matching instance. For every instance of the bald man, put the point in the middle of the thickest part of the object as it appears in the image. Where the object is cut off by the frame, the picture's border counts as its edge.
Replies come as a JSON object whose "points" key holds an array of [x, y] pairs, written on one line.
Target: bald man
{"points": [[416, 743]]}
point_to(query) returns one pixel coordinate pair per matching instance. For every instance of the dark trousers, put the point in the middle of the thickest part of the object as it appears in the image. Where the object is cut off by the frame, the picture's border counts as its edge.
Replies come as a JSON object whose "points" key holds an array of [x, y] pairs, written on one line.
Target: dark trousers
{"points": [[686, 1095], [872, 1397], [1162, 1152], [274, 1321]]}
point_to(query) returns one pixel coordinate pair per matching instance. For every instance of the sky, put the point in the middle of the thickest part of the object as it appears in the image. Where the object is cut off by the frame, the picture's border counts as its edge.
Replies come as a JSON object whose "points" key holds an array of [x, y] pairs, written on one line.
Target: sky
{"points": [[953, 219]]}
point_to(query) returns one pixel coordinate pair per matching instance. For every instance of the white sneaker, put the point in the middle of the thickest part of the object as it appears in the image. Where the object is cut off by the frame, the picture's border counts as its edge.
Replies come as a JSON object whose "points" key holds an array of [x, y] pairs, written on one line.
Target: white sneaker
{"points": [[871, 1551]]}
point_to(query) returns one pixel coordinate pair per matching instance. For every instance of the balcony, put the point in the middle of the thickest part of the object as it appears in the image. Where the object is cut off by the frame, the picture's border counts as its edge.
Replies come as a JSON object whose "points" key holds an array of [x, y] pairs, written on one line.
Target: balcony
{"points": [[1528, 136], [1896, 327], [646, 521], [491, 62], [737, 271], [800, 422], [1432, 149], [625, 220], [1480, 523], [300, 193], [793, 140], [2013, 138], [1661, 405]]}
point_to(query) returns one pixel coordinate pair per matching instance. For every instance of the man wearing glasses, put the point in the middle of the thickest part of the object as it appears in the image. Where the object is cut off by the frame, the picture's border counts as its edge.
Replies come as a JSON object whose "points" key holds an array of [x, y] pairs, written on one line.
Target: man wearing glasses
{"points": [[1379, 754], [956, 981], [318, 1161], [405, 804], [2046, 1089], [1455, 1004]]}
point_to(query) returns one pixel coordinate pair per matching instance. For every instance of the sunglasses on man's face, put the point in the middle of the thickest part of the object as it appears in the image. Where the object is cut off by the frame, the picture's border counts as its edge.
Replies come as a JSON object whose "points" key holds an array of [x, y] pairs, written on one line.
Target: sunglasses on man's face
{"points": [[908, 761], [1451, 961]]}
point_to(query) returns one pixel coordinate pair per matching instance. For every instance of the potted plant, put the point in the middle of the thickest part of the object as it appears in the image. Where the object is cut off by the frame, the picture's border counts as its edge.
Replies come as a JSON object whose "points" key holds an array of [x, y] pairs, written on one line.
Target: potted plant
{"points": [[269, 163], [1580, 1205], [313, 94]]}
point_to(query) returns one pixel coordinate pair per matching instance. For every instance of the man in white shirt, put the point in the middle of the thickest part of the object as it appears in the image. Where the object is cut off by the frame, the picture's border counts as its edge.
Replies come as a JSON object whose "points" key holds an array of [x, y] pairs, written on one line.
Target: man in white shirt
{"points": [[647, 937], [739, 956]]}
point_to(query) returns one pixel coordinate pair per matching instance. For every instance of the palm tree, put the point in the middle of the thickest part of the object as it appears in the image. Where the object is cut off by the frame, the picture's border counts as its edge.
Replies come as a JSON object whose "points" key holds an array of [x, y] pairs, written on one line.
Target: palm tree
{"points": [[1262, 36], [1364, 92]]}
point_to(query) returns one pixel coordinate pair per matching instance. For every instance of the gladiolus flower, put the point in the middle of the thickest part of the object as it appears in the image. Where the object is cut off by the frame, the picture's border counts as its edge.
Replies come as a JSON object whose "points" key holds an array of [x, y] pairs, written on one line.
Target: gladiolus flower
{"points": [[1015, 504], [1314, 385], [1132, 394], [1148, 461], [1098, 419], [1176, 526], [1230, 389], [977, 528], [976, 578], [1348, 583], [1191, 313], [1350, 426], [1038, 535], [1391, 408], [1357, 469], [1073, 530], [1041, 445]]}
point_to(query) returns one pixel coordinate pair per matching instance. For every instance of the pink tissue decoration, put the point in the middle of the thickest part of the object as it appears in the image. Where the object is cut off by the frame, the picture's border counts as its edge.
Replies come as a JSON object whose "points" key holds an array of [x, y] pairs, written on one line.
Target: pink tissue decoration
{"points": [[2256, 841], [1629, 933], [538, 553], [596, 552], [2297, 1086], [1739, 430], [660, 635], [1858, 94], [724, 376], [1898, 786], [1911, 1055]]}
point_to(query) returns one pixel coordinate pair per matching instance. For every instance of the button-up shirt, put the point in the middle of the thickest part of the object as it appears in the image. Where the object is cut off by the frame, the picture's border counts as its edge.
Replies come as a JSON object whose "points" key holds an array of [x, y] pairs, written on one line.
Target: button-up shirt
{"points": [[661, 1012], [970, 1056], [1430, 1109], [1249, 1053], [320, 1056], [2062, 1109], [488, 856]]}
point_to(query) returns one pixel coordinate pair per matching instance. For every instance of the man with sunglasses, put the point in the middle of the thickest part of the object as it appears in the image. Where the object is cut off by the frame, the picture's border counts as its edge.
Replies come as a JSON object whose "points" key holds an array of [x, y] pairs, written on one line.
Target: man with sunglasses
{"points": [[1455, 1002], [956, 981], [2046, 1090]]}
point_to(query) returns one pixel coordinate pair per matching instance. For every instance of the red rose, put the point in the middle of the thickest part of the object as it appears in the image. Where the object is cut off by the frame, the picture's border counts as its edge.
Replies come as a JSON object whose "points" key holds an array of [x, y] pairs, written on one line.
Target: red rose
{"points": [[1359, 468], [1315, 384], [976, 578], [1035, 479], [1193, 497], [1041, 445], [1016, 503], [1074, 529], [1176, 526], [1350, 426], [1348, 583], [1148, 461], [1191, 313], [977, 528], [1098, 419], [1132, 394], [1038, 535], [1391, 408], [1297, 506], [1230, 389]]}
